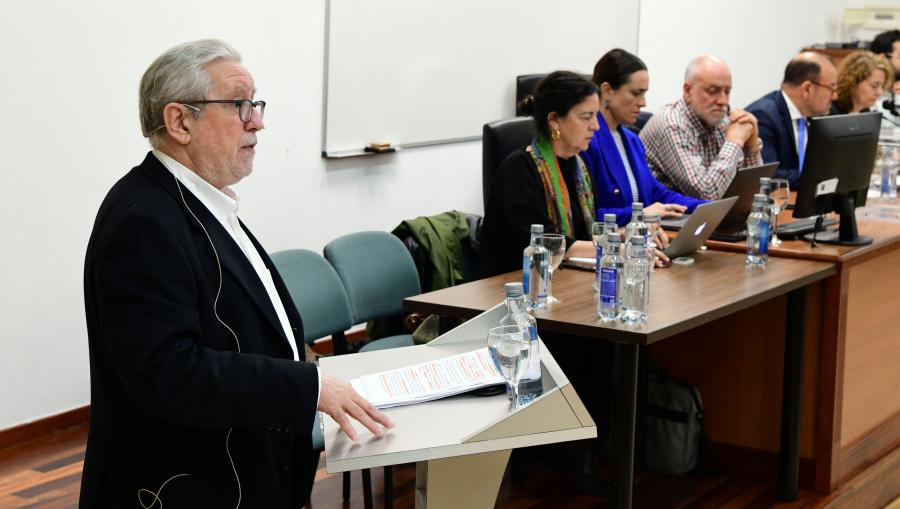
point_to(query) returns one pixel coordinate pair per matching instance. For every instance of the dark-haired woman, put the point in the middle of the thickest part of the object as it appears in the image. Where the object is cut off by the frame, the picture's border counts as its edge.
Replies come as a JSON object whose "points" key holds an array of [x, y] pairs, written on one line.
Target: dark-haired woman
{"points": [[616, 156], [546, 182]]}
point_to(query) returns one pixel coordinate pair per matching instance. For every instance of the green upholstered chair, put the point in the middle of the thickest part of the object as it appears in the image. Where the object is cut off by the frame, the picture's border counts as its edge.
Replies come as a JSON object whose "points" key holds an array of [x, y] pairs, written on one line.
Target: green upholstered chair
{"points": [[318, 293], [320, 298], [378, 273]]}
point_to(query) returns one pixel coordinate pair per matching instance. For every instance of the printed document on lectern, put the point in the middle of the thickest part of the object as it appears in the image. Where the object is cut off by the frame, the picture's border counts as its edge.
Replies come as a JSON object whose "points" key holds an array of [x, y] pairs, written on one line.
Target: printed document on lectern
{"points": [[430, 380]]}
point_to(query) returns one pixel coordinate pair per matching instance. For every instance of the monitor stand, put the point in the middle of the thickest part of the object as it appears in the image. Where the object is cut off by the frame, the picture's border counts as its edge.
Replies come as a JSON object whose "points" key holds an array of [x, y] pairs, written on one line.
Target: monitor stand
{"points": [[847, 234]]}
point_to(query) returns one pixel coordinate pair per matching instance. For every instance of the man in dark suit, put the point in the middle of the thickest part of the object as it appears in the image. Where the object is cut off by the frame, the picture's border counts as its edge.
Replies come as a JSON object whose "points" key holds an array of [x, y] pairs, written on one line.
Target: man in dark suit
{"points": [[810, 80], [199, 393], [887, 44]]}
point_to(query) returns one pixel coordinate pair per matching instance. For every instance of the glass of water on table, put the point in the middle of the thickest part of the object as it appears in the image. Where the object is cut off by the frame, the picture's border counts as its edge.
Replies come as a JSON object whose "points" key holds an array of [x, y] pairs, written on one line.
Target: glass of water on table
{"points": [[597, 235], [780, 194], [556, 244], [652, 222], [510, 348]]}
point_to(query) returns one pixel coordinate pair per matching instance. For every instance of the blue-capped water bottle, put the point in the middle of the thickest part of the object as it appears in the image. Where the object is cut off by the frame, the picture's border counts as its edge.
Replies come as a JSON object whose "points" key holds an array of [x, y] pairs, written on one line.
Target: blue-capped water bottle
{"points": [[599, 232], [536, 270], [765, 189], [530, 386], [758, 232], [609, 296]]}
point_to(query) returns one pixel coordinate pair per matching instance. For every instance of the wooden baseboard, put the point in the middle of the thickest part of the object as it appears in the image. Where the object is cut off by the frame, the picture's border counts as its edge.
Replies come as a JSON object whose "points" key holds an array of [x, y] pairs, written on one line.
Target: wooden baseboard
{"points": [[40, 428], [869, 449], [874, 487], [755, 464]]}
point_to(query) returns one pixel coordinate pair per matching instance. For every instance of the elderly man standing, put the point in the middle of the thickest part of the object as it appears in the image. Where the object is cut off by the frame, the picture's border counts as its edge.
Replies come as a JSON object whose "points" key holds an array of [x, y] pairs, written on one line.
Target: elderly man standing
{"points": [[695, 145], [810, 80], [199, 393]]}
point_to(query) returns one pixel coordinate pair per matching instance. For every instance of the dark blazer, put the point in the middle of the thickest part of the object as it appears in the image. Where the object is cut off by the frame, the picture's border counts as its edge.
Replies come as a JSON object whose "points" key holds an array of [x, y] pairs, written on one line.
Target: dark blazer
{"points": [[777, 134], [168, 386], [612, 194], [517, 201]]}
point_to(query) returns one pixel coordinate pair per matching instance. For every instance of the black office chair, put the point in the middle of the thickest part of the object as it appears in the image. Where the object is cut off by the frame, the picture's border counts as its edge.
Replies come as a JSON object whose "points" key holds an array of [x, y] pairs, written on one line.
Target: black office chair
{"points": [[525, 84], [499, 139], [642, 119]]}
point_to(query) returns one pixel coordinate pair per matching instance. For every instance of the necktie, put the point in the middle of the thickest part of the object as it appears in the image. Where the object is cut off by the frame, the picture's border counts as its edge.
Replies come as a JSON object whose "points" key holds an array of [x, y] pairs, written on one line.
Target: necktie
{"points": [[801, 142]]}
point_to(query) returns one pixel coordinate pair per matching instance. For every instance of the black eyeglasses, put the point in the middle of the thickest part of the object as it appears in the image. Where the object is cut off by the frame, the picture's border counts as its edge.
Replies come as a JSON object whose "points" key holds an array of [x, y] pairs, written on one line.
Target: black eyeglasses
{"points": [[245, 106], [829, 87]]}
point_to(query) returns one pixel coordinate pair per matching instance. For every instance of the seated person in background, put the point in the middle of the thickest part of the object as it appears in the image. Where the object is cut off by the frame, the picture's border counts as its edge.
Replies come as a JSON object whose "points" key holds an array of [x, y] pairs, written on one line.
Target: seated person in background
{"points": [[887, 44], [862, 79], [810, 80], [547, 182], [695, 145], [616, 155]]}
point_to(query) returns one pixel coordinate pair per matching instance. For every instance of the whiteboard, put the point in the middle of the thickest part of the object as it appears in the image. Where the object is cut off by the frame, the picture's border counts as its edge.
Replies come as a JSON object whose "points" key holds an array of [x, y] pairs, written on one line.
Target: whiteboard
{"points": [[417, 73], [756, 48]]}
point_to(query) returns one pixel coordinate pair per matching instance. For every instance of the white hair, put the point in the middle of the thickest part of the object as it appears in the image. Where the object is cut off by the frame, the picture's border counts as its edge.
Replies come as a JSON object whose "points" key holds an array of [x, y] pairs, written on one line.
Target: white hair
{"points": [[178, 75]]}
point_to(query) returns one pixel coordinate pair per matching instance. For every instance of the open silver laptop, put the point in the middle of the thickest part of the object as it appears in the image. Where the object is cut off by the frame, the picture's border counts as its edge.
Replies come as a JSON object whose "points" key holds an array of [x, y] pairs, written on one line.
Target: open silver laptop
{"points": [[699, 227], [744, 185]]}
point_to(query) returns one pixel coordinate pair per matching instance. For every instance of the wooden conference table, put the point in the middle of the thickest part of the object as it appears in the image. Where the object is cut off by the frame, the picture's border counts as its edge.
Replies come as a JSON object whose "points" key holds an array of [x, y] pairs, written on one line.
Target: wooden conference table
{"points": [[851, 396], [683, 299]]}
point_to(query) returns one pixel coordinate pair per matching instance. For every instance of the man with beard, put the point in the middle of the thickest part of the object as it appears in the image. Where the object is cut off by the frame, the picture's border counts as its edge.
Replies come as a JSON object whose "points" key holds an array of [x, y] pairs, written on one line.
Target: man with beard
{"points": [[696, 144]]}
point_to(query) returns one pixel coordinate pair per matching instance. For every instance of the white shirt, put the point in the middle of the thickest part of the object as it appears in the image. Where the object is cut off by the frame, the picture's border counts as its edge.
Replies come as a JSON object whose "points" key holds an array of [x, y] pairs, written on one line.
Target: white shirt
{"points": [[224, 206], [795, 115], [632, 183]]}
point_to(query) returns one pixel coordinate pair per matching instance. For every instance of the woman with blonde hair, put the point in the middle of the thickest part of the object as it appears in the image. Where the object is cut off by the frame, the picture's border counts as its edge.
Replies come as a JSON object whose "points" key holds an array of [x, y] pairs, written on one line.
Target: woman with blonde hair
{"points": [[862, 78]]}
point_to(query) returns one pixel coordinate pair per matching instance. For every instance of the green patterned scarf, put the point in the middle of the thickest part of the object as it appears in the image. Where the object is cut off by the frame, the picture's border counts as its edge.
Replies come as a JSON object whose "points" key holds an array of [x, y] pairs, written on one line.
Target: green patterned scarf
{"points": [[555, 191]]}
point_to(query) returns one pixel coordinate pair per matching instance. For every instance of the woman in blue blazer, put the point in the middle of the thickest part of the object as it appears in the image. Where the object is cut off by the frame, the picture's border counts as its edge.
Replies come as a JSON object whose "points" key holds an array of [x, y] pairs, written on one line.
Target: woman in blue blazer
{"points": [[614, 149]]}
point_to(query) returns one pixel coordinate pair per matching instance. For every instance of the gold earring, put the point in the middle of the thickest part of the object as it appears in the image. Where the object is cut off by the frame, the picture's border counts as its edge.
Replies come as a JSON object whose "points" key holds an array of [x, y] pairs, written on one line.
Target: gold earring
{"points": [[554, 135]]}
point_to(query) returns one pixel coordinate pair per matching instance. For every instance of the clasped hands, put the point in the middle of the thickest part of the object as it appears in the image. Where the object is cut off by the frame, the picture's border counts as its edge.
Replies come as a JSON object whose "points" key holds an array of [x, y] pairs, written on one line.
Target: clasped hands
{"points": [[743, 129]]}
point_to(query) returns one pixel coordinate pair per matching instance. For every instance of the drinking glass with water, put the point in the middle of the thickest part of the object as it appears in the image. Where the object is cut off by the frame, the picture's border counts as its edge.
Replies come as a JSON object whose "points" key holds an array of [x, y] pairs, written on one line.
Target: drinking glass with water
{"points": [[780, 195], [556, 245], [597, 234], [653, 223], [510, 348]]}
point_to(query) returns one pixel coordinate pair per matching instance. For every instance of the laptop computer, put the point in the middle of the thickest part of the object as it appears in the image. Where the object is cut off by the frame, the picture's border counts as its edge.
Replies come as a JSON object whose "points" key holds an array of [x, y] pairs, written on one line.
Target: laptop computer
{"points": [[744, 185], [699, 227]]}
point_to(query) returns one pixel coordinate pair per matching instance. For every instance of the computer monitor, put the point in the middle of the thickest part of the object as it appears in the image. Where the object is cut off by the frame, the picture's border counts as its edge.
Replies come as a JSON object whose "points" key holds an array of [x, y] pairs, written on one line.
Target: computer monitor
{"points": [[836, 172]]}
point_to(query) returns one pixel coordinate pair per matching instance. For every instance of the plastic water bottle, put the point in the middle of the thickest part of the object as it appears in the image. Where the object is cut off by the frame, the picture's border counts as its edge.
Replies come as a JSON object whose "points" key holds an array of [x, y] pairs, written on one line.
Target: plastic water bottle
{"points": [[530, 386], [636, 223], [765, 189], [609, 297], [651, 256], [609, 226], [636, 283], [758, 232], [536, 270], [888, 173]]}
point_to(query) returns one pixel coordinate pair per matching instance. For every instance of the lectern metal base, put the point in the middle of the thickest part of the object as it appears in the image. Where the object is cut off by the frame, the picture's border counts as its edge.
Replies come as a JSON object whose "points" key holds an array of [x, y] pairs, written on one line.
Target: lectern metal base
{"points": [[461, 481]]}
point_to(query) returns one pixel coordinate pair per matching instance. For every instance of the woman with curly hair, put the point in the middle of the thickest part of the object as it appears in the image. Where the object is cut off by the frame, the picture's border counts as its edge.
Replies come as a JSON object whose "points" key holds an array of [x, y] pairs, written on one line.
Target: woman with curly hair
{"points": [[862, 78]]}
